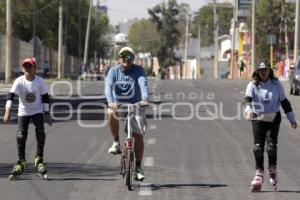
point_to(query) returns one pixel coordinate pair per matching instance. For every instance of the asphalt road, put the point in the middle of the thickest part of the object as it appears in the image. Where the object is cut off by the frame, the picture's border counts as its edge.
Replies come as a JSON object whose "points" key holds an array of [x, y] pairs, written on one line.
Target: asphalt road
{"points": [[198, 146]]}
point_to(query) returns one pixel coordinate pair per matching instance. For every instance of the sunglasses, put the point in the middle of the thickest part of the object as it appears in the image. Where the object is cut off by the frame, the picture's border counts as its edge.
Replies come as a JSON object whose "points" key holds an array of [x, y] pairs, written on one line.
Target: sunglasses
{"points": [[126, 57], [263, 69]]}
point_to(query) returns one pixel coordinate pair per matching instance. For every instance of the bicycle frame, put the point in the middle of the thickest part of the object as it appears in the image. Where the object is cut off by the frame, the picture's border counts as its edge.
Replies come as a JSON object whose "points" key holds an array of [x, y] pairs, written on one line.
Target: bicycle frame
{"points": [[127, 156]]}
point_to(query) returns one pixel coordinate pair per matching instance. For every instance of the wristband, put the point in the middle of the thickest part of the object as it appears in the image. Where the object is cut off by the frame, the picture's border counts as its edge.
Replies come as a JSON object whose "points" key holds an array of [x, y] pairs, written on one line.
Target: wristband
{"points": [[46, 107]]}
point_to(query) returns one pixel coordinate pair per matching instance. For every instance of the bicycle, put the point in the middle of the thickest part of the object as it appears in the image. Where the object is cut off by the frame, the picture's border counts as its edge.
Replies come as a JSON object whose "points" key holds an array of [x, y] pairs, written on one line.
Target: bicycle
{"points": [[127, 160]]}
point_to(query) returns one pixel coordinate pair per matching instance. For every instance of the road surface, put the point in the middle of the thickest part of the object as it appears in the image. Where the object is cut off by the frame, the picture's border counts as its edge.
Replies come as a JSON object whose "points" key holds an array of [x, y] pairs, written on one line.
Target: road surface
{"points": [[198, 146]]}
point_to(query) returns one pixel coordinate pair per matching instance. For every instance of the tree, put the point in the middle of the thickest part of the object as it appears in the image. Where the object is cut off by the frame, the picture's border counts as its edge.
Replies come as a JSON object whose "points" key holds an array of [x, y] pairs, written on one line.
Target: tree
{"points": [[144, 37], [46, 12], [205, 18], [165, 16], [2, 19], [271, 23]]}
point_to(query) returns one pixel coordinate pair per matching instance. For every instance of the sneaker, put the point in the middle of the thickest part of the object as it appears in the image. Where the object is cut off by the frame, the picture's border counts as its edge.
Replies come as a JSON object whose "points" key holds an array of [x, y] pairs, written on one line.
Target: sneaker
{"points": [[139, 174], [115, 148]]}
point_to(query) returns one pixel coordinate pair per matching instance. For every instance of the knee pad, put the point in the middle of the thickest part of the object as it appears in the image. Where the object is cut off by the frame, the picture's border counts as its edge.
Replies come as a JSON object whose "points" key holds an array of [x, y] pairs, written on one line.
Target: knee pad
{"points": [[272, 149], [21, 136], [258, 150]]}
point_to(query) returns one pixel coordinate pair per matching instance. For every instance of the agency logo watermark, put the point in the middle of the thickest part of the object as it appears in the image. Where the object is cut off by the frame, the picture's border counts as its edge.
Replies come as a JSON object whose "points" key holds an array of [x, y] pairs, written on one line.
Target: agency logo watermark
{"points": [[179, 106]]}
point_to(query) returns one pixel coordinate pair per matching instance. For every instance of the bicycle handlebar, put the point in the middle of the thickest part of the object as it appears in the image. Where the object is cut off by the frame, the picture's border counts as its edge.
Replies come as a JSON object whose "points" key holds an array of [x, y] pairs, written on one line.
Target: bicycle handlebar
{"points": [[136, 105]]}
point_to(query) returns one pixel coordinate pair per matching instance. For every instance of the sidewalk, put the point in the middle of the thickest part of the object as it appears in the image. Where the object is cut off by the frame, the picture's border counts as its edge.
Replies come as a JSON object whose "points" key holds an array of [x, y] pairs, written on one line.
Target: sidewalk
{"points": [[5, 88]]}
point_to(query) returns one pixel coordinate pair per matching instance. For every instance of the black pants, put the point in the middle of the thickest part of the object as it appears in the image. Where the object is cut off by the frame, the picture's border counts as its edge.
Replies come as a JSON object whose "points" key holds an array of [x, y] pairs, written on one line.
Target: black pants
{"points": [[266, 132], [23, 122]]}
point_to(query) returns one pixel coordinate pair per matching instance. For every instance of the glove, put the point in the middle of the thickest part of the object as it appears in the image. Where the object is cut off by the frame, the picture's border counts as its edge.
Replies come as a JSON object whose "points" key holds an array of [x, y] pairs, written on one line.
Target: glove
{"points": [[294, 125], [250, 115]]}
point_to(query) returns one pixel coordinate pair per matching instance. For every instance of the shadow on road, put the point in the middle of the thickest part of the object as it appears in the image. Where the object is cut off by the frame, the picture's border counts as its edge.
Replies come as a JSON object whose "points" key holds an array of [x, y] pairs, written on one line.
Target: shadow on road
{"points": [[177, 186], [67, 171], [281, 191]]}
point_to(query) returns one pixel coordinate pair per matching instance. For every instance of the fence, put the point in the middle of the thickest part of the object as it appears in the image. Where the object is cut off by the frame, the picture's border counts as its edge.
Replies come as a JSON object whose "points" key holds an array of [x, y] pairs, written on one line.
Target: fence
{"points": [[21, 50]]}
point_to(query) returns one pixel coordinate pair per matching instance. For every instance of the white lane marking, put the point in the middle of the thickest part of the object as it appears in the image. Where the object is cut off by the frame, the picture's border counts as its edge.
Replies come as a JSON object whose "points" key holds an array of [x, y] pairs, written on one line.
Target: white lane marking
{"points": [[242, 92], [145, 189], [152, 127], [149, 162], [151, 141]]}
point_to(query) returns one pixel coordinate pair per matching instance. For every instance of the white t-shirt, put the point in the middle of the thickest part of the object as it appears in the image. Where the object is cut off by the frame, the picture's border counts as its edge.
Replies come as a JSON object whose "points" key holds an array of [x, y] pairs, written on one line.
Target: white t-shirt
{"points": [[30, 95]]}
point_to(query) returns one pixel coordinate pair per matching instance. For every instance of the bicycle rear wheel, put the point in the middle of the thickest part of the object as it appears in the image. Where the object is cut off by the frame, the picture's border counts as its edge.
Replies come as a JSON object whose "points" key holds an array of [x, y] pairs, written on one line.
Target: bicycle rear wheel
{"points": [[129, 170]]}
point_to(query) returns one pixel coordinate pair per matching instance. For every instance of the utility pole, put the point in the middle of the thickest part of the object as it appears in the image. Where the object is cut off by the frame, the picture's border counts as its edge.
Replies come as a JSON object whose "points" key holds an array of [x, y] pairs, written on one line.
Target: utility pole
{"points": [[65, 40], [34, 27], [216, 38], [296, 42], [96, 34], [199, 53], [232, 56], [286, 39], [186, 44], [253, 38], [8, 42], [85, 58], [79, 33], [60, 40]]}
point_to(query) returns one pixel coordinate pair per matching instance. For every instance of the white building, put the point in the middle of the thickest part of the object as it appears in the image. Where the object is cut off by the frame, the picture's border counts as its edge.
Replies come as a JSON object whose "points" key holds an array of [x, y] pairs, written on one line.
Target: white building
{"points": [[224, 48]]}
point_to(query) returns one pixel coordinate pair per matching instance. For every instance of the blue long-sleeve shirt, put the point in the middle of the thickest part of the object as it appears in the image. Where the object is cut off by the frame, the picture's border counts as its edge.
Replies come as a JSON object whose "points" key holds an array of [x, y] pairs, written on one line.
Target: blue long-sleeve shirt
{"points": [[127, 86], [266, 98]]}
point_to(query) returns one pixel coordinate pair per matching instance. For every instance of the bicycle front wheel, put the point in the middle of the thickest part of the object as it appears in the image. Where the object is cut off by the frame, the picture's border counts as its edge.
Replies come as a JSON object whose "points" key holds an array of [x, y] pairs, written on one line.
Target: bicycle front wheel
{"points": [[129, 170]]}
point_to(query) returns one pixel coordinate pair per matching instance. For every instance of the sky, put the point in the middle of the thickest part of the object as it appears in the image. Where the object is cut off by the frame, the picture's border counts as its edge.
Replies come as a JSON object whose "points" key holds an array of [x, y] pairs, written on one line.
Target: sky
{"points": [[120, 10]]}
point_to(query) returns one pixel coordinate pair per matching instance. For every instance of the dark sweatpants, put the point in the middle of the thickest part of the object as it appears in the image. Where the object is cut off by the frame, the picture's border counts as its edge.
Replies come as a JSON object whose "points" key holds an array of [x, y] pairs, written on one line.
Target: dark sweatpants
{"points": [[23, 122], [266, 132]]}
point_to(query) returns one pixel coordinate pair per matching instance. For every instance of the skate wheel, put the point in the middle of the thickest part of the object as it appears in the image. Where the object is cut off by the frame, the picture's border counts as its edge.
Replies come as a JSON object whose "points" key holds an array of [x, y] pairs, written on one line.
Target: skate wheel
{"points": [[42, 176], [13, 177], [256, 188]]}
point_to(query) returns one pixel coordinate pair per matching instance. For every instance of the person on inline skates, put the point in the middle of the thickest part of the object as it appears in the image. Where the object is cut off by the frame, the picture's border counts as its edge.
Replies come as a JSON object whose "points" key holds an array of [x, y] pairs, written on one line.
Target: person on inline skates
{"points": [[33, 105], [263, 98]]}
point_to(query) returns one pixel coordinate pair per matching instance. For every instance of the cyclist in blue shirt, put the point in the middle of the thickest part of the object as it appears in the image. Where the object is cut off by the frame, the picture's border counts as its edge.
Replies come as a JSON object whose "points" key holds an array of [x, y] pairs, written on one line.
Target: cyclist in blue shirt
{"points": [[127, 83], [263, 98]]}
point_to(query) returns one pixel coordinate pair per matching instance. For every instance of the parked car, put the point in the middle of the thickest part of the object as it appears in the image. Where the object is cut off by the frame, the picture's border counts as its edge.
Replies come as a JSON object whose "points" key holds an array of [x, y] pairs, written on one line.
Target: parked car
{"points": [[294, 77]]}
